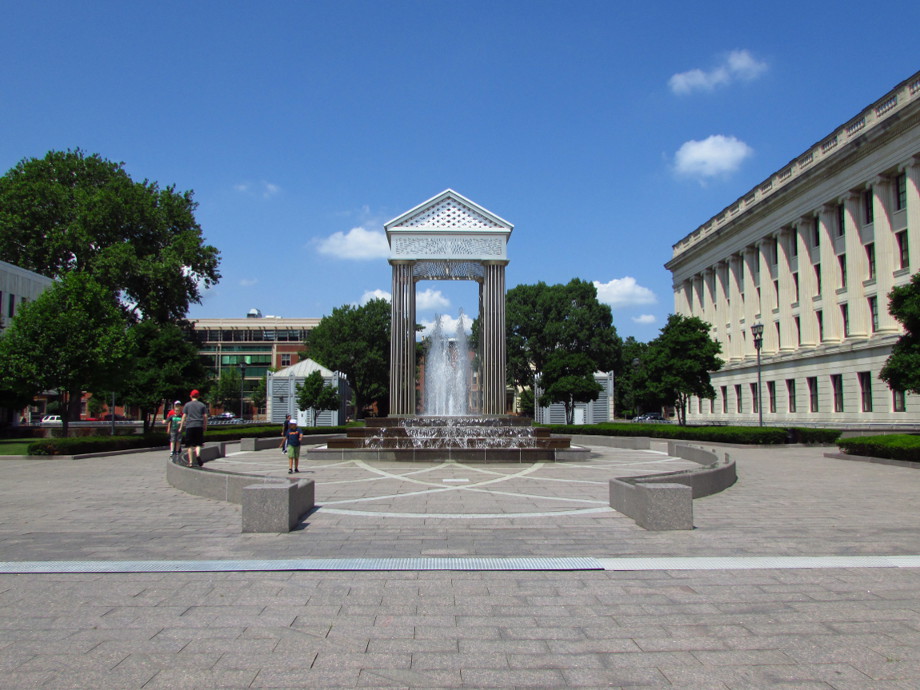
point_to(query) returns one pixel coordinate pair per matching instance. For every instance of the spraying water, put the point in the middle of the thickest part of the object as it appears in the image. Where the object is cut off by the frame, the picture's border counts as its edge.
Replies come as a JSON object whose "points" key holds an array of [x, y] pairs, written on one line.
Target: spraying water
{"points": [[447, 372]]}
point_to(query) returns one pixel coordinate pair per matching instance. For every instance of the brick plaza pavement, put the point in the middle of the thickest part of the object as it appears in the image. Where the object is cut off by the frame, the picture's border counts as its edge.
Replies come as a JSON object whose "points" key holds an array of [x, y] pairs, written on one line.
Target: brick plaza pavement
{"points": [[839, 624]]}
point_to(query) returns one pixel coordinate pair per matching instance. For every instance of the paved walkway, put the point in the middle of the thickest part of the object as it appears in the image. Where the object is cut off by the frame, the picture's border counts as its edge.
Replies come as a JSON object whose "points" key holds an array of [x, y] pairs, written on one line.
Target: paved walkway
{"points": [[711, 616]]}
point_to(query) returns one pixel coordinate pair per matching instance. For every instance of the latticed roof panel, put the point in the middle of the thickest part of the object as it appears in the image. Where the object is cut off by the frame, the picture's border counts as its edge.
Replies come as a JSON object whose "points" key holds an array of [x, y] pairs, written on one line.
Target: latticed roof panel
{"points": [[450, 213]]}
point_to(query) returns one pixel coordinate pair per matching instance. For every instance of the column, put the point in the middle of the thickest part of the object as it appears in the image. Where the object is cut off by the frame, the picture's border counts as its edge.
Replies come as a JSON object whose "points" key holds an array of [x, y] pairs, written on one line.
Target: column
{"points": [[721, 316], [402, 340], [785, 238], [736, 351], [886, 249], [857, 266], [833, 321], [767, 314], [751, 305], [492, 316], [807, 284], [912, 170]]}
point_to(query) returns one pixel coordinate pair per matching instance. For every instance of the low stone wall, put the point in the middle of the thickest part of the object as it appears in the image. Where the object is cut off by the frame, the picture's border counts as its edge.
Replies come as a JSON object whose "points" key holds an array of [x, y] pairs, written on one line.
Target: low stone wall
{"points": [[665, 501], [269, 504], [267, 443]]}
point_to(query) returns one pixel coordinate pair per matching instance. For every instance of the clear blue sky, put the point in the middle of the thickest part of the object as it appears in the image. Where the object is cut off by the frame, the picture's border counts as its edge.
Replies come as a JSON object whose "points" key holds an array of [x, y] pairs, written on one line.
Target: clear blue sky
{"points": [[604, 131]]}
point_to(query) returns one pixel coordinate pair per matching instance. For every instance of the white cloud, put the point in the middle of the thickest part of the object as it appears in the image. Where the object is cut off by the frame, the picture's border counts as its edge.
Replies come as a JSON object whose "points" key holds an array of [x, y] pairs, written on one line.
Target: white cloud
{"points": [[264, 189], [248, 282], [357, 243], [738, 65], [449, 325], [715, 155], [430, 299], [374, 294], [623, 292], [644, 319]]}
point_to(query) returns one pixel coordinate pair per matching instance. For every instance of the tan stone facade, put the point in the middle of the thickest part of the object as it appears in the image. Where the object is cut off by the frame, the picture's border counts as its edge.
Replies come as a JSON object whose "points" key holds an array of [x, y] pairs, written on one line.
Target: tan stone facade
{"points": [[812, 253]]}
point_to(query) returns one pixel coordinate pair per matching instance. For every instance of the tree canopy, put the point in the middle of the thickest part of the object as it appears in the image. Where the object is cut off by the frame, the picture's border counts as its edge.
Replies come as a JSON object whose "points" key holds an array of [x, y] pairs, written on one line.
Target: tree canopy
{"points": [[314, 394], [902, 370], [165, 366], [356, 342], [72, 212], [678, 362], [71, 338], [564, 334]]}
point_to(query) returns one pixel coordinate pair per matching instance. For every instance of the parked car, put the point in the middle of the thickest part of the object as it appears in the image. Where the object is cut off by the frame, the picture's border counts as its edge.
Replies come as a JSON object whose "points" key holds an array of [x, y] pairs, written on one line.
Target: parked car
{"points": [[118, 418], [224, 415], [52, 419], [651, 417]]}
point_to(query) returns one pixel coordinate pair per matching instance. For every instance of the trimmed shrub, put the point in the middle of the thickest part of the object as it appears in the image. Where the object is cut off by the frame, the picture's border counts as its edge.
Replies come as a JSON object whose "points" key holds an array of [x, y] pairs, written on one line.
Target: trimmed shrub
{"points": [[741, 435], [95, 444], [823, 437], [893, 446]]}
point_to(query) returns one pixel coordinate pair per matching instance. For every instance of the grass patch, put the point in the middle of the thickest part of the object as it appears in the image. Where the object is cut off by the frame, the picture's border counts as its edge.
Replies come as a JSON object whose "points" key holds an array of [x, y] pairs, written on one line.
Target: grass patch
{"points": [[15, 446]]}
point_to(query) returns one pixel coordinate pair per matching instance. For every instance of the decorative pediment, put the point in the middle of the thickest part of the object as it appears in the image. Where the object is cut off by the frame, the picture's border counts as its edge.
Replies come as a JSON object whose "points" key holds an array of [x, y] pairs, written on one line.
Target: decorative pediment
{"points": [[449, 211]]}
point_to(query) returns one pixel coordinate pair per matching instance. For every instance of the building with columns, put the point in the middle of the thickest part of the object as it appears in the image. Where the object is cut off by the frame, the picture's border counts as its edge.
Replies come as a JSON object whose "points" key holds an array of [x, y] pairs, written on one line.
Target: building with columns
{"points": [[811, 254]]}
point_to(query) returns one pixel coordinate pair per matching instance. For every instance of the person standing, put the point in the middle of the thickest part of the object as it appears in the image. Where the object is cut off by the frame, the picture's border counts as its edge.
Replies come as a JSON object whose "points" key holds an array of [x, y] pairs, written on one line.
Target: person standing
{"points": [[194, 422], [292, 438], [284, 430], [173, 424]]}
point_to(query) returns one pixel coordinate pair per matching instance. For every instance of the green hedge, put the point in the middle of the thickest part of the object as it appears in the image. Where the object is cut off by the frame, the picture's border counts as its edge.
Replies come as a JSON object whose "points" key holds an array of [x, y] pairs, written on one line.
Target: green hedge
{"points": [[894, 446], [103, 444], [743, 435]]}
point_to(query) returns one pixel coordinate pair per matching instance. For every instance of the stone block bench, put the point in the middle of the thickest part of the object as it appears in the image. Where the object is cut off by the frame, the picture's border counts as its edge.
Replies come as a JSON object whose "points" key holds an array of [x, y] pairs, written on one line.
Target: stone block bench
{"points": [[665, 501]]}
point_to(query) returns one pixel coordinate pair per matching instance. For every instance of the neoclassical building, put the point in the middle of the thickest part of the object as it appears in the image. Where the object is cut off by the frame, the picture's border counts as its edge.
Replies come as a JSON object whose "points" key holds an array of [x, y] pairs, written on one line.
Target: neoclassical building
{"points": [[811, 254]]}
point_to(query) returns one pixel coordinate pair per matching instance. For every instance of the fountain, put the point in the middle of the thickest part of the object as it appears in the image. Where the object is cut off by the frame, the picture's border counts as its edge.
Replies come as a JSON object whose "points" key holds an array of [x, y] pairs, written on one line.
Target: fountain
{"points": [[447, 371]]}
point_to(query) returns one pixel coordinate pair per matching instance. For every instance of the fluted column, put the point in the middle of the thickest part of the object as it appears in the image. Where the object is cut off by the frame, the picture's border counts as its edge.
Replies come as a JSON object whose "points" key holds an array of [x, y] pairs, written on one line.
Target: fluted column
{"points": [[402, 340], [833, 321], [885, 252], [492, 315], [751, 306], [737, 307], [808, 286], [785, 264], [767, 316], [912, 170], [857, 266]]}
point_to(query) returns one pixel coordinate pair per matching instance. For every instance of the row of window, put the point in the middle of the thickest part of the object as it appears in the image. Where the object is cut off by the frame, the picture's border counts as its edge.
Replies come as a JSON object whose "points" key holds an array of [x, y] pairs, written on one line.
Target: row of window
{"points": [[250, 335], [838, 402]]}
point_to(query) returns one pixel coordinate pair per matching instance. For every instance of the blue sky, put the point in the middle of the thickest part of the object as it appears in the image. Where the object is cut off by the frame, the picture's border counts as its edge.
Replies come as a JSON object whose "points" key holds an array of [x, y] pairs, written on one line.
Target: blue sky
{"points": [[604, 131]]}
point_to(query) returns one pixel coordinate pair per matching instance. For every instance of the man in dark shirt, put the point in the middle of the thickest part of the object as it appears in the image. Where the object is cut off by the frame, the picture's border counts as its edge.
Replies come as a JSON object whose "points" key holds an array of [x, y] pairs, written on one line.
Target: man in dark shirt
{"points": [[194, 423]]}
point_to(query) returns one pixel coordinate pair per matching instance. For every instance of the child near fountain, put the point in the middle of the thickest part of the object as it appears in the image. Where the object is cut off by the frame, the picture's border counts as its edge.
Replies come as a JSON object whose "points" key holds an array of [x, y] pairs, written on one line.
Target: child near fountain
{"points": [[292, 437]]}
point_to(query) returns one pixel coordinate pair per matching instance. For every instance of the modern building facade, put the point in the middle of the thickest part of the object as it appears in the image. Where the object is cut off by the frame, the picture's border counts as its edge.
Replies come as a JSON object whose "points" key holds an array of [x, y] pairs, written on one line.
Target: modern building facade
{"points": [[810, 254], [17, 287], [257, 342]]}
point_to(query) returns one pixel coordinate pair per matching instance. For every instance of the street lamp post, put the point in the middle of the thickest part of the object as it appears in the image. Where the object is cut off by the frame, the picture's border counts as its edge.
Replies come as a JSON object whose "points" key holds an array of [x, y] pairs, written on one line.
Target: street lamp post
{"points": [[757, 332], [242, 367]]}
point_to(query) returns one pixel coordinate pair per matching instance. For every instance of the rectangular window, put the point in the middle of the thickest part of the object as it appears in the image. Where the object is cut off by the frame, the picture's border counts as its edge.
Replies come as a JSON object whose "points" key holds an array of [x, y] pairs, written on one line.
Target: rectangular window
{"points": [[845, 317], [286, 360], [841, 220], [12, 309], [898, 402], [868, 211], [776, 294], [724, 399], [738, 401], [771, 395], [794, 245], [816, 234], [775, 251], [818, 280], [900, 193], [903, 253], [865, 390], [795, 287], [870, 258], [873, 313], [798, 331], [813, 393], [837, 387], [755, 403], [779, 340], [790, 393], [712, 405], [819, 315], [842, 261]]}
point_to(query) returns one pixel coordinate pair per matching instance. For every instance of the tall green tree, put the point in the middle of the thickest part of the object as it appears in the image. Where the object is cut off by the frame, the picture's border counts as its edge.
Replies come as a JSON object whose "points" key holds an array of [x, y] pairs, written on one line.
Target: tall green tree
{"points": [[316, 395], [71, 338], [71, 212], [165, 366], [679, 360], [356, 342], [564, 334], [902, 369], [229, 389]]}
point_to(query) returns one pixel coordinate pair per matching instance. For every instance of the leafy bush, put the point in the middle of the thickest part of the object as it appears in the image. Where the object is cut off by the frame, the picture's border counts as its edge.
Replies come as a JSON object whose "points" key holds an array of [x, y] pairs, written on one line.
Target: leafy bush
{"points": [[95, 444], [742, 435], [825, 437], [894, 446]]}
